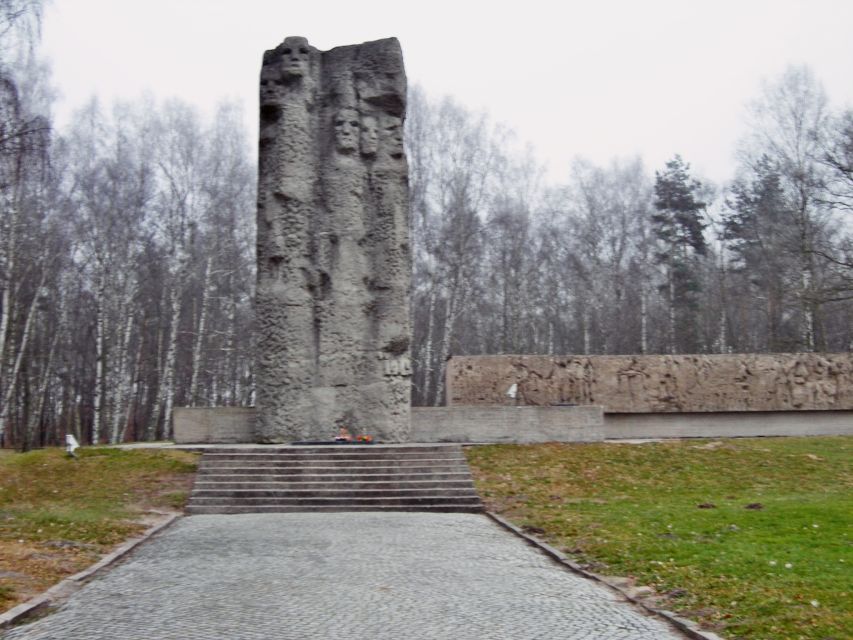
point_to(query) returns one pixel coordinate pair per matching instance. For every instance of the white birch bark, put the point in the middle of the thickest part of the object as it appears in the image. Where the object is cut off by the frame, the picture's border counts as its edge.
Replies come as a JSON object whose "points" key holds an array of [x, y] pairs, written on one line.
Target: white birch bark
{"points": [[41, 393], [169, 367], [100, 356], [232, 371], [454, 302], [6, 311], [644, 321], [200, 332], [154, 419], [122, 376], [426, 350], [134, 390], [11, 383]]}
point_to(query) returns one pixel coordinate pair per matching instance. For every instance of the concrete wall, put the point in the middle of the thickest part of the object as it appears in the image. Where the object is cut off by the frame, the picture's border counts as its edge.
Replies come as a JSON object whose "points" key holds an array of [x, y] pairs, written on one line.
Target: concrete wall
{"points": [[507, 424], [727, 425], [541, 424], [657, 384], [429, 424], [219, 425]]}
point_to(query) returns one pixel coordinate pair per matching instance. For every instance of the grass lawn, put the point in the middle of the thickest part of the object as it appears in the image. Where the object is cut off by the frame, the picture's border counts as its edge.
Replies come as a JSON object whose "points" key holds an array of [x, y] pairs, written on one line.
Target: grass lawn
{"points": [[59, 515], [752, 537]]}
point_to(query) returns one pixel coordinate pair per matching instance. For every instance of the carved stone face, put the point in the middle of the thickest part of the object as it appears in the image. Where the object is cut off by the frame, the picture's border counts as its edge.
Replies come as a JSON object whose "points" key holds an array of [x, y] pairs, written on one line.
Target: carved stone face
{"points": [[295, 58], [346, 129], [270, 78], [369, 136], [392, 137]]}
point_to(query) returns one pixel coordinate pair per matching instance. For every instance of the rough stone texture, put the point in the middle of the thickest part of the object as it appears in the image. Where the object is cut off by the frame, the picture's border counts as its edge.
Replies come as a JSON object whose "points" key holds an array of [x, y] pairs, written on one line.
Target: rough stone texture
{"points": [[354, 576], [658, 384], [334, 263]]}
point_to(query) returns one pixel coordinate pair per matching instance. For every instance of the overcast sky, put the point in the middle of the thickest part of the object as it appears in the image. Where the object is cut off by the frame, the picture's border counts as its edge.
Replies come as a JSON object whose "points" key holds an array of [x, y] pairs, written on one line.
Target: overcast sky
{"points": [[594, 78]]}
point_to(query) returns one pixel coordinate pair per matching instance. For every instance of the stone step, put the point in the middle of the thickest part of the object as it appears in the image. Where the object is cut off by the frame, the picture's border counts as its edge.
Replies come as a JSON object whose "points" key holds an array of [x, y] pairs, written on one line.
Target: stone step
{"points": [[355, 464], [332, 500], [232, 509], [336, 449], [373, 478], [332, 485], [329, 471], [345, 456], [264, 475], [332, 493]]}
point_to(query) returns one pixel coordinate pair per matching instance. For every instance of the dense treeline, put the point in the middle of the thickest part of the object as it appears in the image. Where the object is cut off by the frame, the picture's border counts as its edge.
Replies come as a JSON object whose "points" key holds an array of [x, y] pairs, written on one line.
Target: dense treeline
{"points": [[126, 265], [127, 250], [619, 261]]}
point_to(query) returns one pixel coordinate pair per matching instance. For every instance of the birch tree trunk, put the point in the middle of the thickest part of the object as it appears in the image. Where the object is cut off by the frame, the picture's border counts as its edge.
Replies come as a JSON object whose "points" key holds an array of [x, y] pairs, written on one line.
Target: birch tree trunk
{"points": [[644, 321], [232, 363], [169, 370], [11, 383], [100, 355], [41, 393], [129, 415], [122, 378], [154, 418], [6, 311], [200, 333], [426, 350], [449, 322]]}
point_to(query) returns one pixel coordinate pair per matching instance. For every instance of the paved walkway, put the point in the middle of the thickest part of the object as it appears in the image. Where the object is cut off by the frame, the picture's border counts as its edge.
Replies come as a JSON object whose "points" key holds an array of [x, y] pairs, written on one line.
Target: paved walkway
{"points": [[353, 576]]}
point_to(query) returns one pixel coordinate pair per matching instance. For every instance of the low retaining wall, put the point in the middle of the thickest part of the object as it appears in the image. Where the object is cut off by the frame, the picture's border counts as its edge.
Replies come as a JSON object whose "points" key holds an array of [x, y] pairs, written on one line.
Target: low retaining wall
{"points": [[429, 424], [507, 424], [229, 425], [213, 425], [619, 426]]}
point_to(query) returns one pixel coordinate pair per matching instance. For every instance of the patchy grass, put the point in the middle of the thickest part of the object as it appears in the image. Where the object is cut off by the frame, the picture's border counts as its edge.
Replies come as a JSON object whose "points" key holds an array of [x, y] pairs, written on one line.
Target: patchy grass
{"points": [[752, 537], [59, 515]]}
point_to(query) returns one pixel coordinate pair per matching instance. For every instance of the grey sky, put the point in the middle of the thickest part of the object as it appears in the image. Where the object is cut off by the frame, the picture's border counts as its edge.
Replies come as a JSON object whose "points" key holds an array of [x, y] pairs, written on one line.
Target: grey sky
{"points": [[592, 78]]}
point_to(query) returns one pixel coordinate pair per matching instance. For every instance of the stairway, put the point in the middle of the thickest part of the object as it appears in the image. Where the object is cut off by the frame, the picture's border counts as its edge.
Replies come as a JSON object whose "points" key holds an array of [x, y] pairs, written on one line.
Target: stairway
{"points": [[334, 478]]}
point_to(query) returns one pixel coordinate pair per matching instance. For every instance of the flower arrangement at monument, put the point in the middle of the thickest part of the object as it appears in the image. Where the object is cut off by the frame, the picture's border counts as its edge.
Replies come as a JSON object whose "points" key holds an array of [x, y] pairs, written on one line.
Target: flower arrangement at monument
{"points": [[345, 437]]}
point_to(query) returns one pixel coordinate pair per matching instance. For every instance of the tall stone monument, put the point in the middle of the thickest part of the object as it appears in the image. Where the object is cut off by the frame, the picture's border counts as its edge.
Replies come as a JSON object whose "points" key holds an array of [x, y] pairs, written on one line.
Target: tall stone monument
{"points": [[334, 265]]}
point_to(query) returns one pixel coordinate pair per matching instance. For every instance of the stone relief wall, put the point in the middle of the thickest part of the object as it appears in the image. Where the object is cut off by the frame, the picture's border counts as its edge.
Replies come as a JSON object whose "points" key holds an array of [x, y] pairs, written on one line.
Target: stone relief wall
{"points": [[657, 383], [334, 264]]}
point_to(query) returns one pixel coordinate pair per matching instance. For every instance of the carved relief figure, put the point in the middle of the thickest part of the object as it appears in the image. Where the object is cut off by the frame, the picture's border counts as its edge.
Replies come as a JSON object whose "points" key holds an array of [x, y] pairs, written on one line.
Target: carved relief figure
{"points": [[296, 61], [632, 379], [369, 139], [391, 137], [672, 383], [330, 227], [347, 130]]}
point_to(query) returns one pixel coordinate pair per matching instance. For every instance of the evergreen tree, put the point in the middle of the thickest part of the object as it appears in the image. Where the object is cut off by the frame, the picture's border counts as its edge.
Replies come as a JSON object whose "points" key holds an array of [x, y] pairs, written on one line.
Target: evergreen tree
{"points": [[758, 229], [679, 225]]}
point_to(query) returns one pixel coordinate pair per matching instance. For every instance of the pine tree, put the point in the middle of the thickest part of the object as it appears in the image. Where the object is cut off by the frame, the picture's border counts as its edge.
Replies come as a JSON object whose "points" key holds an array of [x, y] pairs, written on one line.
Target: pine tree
{"points": [[679, 226]]}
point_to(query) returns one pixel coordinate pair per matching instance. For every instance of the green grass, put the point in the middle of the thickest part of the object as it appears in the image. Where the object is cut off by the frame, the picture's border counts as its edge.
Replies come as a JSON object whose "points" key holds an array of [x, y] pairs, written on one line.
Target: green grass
{"points": [[58, 514], [779, 570]]}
